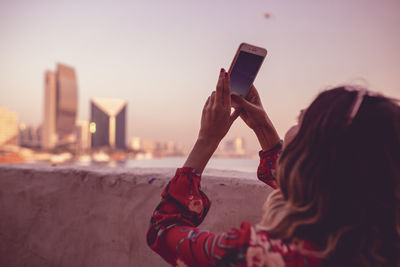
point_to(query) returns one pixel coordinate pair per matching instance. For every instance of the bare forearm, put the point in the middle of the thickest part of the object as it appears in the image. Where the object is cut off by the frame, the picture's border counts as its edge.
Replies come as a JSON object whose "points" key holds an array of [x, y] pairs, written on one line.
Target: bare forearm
{"points": [[200, 154], [267, 138]]}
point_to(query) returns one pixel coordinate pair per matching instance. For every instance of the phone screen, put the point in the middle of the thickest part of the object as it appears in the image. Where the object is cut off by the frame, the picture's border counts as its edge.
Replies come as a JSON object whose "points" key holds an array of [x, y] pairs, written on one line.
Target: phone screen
{"points": [[244, 72]]}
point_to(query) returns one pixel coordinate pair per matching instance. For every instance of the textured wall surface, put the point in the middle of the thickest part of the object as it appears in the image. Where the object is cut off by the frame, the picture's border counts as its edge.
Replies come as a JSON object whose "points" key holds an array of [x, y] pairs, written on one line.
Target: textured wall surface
{"points": [[96, 216]]}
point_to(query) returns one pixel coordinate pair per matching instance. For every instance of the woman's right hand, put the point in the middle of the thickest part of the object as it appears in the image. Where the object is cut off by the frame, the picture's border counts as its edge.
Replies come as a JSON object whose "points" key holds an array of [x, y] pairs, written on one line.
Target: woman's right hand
{"points": [[254, 115]]}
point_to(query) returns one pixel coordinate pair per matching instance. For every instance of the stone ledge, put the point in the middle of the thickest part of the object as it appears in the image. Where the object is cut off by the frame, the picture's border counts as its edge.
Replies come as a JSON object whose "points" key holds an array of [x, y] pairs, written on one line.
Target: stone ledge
{"points": [[98, 216]]}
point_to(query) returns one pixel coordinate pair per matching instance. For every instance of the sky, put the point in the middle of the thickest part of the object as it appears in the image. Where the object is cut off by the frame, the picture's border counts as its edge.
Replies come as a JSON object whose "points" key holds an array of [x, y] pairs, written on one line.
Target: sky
{"points": [[163, 57]]}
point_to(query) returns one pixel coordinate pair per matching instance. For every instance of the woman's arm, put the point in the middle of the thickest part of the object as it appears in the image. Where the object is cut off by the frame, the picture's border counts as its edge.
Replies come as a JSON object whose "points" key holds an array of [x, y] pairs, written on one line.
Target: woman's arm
{"points": [[202, 151], [172, 232], [254, 115], [216, 120]]}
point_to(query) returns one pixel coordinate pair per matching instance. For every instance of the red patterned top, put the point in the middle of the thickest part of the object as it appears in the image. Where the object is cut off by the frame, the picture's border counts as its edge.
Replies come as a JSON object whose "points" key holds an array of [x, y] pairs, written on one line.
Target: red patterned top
{"points": [[173, 231]]}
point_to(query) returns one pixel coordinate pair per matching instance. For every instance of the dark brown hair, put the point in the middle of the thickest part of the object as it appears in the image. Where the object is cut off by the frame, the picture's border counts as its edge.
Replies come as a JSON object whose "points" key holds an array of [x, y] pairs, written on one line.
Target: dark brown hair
{"points": [[340, 183]]}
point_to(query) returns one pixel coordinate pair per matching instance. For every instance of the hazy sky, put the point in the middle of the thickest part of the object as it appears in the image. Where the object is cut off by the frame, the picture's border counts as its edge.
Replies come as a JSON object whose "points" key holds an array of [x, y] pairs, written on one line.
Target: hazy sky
{"points": [[164, 57]]}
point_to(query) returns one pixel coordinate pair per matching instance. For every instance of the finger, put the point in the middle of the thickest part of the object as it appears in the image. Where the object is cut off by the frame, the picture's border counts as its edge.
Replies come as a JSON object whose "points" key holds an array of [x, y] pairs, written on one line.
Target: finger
{"points": [[243, 103], [227, 91], [213, 99], [220, 86], [253, 95], [254, 90], [244, 115], [206, 104], [234, 115]]}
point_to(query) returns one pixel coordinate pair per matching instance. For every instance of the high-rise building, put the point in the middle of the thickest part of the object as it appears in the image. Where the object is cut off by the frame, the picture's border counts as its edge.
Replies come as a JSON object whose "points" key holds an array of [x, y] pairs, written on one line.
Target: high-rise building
{"points": [[8, 127], [60, 107], [108, 123]]}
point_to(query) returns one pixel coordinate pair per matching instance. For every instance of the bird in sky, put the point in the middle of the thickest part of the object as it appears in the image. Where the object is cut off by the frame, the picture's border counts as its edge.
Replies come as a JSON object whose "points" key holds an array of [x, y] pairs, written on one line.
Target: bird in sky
{"points": [[267, 15]]}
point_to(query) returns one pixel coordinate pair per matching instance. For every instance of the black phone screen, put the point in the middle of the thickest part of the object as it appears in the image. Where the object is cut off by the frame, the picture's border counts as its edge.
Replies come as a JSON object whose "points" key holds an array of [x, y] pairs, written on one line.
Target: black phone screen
{"points": [[244, 72]]}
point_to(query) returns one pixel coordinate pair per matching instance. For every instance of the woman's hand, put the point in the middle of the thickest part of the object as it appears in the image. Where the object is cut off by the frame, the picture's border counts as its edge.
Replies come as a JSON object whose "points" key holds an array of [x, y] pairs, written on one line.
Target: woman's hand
{"points": [[253, 114], [216, 120]]}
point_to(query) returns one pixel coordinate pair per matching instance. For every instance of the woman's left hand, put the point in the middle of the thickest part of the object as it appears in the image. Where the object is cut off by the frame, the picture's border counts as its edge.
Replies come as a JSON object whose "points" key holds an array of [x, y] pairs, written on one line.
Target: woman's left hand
{"points": [[216, 118]]}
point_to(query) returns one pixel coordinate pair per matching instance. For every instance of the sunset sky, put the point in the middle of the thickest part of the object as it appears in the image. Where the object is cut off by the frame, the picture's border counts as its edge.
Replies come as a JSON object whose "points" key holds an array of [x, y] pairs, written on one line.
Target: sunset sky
{"points": [[164, 57]]}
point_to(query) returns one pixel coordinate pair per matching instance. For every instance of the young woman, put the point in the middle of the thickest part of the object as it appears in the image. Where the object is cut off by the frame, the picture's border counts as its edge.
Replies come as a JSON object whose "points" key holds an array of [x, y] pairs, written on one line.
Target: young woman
{"points": [[337, 197]]}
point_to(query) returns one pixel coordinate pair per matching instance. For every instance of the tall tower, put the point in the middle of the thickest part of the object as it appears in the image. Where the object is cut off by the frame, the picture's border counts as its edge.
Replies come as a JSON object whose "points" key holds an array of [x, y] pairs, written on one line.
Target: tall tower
{"points": [[49, 137], [108, 123], [60, 107]]}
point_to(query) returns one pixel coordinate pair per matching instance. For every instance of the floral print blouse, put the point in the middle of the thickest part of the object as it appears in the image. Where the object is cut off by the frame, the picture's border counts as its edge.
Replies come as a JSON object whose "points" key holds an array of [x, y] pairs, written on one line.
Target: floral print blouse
{"points": [[175, 236]]}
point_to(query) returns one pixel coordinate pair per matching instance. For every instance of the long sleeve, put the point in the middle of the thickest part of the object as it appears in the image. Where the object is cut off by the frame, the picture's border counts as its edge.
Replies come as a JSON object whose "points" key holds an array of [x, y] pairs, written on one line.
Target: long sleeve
{"points": [[174, 235], [266, 169], [173, 231]]}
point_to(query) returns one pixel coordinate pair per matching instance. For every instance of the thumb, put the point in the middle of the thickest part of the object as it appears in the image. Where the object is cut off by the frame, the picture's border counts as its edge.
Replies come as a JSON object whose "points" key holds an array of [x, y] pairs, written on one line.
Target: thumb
{"points": [[234, 115], [243, 103]]}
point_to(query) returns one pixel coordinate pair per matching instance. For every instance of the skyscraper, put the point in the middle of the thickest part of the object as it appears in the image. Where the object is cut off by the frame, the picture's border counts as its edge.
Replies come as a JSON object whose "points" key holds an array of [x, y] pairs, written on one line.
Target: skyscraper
{"points": [[8, 127], [108, 123], [60, 107]]}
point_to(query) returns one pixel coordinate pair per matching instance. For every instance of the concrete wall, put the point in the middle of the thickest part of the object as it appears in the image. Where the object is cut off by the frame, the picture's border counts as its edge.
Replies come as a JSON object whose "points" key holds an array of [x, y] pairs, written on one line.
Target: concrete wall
{"points": [[82, 217]]}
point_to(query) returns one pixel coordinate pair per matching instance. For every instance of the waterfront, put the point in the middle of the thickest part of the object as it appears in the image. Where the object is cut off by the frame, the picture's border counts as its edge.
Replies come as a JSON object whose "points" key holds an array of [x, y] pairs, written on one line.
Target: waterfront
{"points": [[244, 164], [232, 164]]}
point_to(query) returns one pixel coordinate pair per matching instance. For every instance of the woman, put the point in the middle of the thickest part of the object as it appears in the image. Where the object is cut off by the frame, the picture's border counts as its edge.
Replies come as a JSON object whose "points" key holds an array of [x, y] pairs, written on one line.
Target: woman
{"points": [[337, 197]]}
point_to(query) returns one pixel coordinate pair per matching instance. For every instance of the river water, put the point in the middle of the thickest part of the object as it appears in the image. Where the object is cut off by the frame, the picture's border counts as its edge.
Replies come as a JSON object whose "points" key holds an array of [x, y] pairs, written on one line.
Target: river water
{"points": [[231, 164]]}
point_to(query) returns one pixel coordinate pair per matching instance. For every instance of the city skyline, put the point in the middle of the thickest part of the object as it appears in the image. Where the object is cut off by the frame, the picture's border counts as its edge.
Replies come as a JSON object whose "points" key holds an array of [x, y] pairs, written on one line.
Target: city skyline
{"points": [[163, 58]]}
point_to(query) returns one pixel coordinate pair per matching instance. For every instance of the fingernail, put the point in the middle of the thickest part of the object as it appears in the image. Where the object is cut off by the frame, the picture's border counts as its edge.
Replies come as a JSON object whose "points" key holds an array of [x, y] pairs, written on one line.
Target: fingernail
{"points": [[226, 75], [222, 69]]}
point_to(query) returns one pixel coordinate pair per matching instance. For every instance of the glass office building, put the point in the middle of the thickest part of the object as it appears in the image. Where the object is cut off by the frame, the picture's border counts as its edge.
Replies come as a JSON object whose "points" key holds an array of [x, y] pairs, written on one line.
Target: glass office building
{"points": [[108, 123]]}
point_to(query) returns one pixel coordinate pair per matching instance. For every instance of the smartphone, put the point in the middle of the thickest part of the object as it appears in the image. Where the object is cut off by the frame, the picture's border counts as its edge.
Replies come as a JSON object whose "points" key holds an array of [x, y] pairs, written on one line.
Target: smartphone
{"points": [[244, 68]]}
